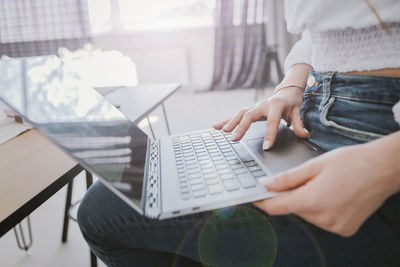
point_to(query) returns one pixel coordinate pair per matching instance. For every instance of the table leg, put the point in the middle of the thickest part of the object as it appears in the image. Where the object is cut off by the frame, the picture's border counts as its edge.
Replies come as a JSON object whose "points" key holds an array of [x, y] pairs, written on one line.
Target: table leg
{"points": [[93, 259], [166, 119], [22, 244], [89, 179], [89, 182], [66, 212]]}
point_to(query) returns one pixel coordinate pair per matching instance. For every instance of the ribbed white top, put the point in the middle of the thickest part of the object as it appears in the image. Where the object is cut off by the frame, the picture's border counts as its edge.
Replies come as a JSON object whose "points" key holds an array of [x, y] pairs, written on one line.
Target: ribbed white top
{"points": [[349, 50], [356, 49]]}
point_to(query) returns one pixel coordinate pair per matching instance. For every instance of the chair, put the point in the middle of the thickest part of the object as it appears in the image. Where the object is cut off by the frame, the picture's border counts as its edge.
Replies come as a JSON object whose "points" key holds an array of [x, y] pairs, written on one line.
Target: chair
{"points": [[269, 54]]}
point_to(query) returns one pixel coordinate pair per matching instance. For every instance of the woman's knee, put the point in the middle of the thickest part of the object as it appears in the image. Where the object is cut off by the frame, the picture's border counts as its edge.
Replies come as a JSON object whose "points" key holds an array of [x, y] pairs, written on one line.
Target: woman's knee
{"points": [[93, 208]]}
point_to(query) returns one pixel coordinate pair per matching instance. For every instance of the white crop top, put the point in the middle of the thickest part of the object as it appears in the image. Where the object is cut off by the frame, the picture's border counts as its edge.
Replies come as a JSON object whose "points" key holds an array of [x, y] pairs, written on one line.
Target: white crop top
{"points": [[344, 35]]}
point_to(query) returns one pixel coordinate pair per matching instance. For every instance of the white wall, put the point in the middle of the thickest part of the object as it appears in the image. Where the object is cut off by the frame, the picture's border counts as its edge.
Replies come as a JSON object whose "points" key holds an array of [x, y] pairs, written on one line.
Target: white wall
{"points": [[181, 55]]}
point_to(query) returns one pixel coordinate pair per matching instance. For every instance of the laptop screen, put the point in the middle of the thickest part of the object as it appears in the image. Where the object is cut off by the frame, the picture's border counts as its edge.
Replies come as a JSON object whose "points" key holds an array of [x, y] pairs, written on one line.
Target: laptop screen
{"points": [[77, 118]]}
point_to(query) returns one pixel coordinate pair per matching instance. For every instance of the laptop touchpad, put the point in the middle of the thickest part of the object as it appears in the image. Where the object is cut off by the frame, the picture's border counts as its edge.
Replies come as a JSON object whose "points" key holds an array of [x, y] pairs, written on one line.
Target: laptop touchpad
{"points": [[287, 152]]}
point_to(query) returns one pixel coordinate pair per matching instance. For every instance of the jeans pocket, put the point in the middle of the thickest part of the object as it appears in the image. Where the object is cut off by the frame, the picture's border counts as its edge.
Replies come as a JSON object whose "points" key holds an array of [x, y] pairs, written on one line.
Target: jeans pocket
{"points": [[345, 130], [304, 112]]}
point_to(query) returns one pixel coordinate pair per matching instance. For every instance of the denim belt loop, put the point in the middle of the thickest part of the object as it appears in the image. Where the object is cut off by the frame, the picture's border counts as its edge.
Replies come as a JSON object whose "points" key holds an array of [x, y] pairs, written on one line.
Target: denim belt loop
{"points": [[326, 89]]}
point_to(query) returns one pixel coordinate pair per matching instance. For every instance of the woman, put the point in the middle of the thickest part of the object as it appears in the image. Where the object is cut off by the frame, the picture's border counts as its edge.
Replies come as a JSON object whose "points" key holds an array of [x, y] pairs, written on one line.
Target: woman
{"points": [[345, 202]]}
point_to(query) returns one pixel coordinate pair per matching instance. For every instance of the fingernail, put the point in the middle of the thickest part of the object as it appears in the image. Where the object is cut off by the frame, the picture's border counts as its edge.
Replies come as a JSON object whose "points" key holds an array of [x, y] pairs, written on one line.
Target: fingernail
{"points": [[233, 137], [306, 131], [266, 145], [225, 127]]}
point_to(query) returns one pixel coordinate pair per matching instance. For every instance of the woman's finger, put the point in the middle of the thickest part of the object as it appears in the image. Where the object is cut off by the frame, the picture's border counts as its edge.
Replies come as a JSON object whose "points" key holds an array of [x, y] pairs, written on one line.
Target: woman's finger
{"points": [[297, 123], [248, 118], [283, 204], [295, 177], [234, 121], [219, 125], [273, 121]]}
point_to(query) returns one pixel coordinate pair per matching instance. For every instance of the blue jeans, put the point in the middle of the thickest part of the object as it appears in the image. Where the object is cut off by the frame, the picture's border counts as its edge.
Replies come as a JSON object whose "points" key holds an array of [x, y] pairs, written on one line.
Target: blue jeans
{"points": [[338, 110]]}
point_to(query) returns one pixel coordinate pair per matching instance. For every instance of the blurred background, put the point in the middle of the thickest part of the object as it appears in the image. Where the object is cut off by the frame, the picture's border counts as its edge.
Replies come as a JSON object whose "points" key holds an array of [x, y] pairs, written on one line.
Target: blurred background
{"points": [[226, 54]]}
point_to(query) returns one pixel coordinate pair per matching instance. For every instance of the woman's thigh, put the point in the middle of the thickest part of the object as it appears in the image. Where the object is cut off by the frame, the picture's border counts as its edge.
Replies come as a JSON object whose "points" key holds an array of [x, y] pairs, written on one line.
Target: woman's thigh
{"points": [[237, 236]]}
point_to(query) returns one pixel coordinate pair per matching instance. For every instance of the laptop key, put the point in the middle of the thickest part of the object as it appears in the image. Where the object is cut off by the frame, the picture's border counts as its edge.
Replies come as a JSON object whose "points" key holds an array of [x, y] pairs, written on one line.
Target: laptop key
{"points": [[231, 185], [193, 171], [234, 161], [190, 162], [212, 181], [247, 180], [215, 189], [191, 167], [201, 162], [207, 171], [182, 183], [206, 166], [221, 166], [197, 187], [219, 162], [223, 171], [200, 193], [184, 189], [254, 168], [237, 166], [185, 196], [251, 163], [215, 158], [227, 176], [194, 175], [240, 171], [195, 181], [210, 175], [258, 174]]}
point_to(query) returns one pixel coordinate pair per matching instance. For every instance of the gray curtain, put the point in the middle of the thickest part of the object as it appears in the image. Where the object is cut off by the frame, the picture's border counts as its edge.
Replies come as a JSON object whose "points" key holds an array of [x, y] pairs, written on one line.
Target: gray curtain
{"points": [[239, 41], [246, 31], [36, 27]]}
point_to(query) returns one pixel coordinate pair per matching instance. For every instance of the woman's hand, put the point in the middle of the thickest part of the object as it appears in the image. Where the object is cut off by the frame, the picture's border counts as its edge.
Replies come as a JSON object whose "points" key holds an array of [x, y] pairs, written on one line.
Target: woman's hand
{"points": [[285, 104], [339, 190]]}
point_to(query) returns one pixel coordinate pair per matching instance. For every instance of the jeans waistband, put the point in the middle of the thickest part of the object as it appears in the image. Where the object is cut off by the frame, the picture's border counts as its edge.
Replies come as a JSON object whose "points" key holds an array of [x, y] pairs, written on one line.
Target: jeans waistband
{"points": [[377, 89]]}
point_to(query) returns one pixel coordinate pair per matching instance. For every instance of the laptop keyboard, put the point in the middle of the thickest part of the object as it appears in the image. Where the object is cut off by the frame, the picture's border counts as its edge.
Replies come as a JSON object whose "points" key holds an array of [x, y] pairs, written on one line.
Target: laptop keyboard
{"points": [[209, 163]]}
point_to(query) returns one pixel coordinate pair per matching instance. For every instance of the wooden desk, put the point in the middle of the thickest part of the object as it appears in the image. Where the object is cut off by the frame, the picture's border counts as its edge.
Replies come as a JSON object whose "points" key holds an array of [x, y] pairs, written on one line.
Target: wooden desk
{"points": [[32, 169]]}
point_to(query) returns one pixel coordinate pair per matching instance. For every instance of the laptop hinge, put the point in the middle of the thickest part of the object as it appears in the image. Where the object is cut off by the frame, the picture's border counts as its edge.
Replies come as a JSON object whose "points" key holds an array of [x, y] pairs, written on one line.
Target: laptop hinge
{"points": [[152, 207]]}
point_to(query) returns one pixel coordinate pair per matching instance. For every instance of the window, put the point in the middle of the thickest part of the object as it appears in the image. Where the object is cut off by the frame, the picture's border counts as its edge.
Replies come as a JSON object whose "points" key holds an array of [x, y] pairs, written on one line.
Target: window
{"points": [[126, 15]]}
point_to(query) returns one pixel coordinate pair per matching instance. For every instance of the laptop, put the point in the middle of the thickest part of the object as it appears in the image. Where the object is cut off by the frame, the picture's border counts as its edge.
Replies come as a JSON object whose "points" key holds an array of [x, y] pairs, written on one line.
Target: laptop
{"points": [[173, 176]]}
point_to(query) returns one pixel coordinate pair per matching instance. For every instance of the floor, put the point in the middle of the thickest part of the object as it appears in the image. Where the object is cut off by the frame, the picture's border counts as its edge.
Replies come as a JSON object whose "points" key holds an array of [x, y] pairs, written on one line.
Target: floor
{"points": [[186, 112]]}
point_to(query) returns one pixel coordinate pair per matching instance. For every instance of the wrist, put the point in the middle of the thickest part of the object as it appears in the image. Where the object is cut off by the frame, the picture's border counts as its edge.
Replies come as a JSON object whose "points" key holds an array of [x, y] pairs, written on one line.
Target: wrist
{"points": [[384, 156], [284, 85]]}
